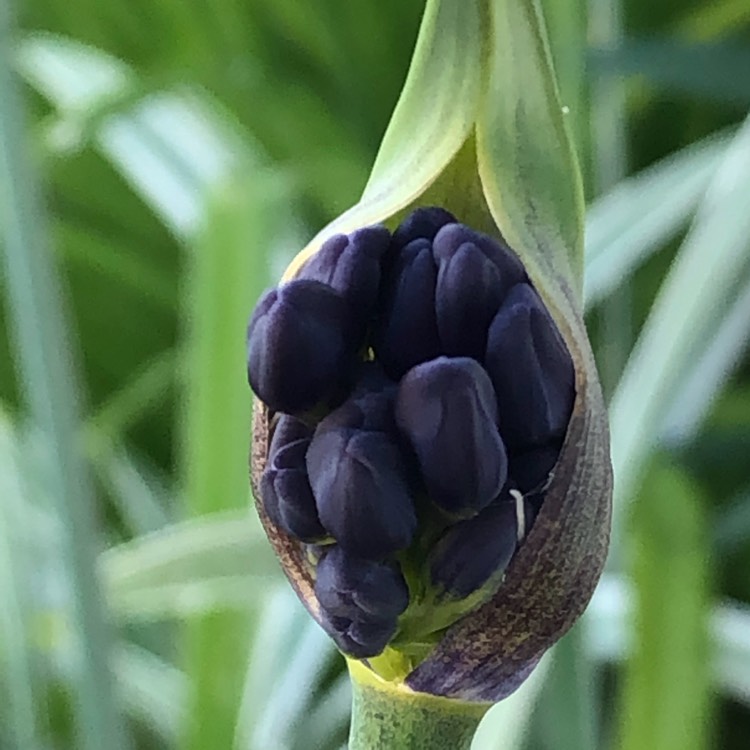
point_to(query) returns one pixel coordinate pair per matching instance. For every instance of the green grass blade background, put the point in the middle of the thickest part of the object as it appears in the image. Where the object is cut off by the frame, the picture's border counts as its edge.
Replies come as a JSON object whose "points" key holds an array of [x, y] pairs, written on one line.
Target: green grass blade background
{"points": [[140, 114], [47, 375], [665, 697], [227, 271]]}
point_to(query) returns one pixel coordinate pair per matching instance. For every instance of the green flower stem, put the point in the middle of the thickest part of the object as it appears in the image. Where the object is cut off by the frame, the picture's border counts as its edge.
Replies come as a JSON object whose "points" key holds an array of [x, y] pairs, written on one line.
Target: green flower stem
{"points": [[389, 716]]}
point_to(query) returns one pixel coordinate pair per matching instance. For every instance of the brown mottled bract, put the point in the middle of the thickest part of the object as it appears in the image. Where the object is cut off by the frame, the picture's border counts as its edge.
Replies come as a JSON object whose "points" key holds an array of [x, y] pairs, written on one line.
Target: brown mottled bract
{"points": [[488, 654], [290, 552]]}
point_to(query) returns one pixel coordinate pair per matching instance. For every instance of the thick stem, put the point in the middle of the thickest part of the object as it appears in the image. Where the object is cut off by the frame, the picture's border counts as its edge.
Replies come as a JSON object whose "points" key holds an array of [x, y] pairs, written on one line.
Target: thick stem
{"points": [[389, 716]]}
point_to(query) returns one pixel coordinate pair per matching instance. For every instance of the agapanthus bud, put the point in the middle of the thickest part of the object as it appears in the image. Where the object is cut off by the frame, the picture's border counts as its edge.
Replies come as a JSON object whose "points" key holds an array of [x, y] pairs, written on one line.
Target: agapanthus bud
{"points": [[531, 370], [301, 346], [351, 266], [475, 551], [451, 236], [406, 329], [434, 486], [463, 319], [360, 600], [360, 479], [447, 410], [469, 260], [287, 496]]}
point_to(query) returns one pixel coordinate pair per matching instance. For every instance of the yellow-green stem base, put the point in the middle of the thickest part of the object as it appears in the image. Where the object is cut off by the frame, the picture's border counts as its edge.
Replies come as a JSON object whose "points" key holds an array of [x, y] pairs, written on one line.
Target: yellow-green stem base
{"points": [[390, 716]]}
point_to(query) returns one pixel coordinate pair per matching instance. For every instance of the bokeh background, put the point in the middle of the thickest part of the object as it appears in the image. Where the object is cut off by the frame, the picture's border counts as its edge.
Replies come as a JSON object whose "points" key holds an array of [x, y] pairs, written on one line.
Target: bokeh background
{"points": [[161, 161]]}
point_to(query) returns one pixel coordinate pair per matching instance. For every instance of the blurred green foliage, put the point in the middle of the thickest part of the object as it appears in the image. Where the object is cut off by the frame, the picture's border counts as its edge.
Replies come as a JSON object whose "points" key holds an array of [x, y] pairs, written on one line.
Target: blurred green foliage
{"points": [[186, 150]]}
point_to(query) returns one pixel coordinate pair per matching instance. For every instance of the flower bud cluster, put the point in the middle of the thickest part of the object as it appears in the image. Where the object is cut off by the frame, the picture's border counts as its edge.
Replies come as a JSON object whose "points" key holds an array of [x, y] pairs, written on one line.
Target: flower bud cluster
{"points": [[422, 393]]}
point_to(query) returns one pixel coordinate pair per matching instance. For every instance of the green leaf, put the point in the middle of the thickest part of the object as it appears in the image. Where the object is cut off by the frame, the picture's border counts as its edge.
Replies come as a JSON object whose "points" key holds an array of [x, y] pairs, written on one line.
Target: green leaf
{"points": [[706, 70], [432, 120], [294, 686], [328, 721], [506, 724], [567, 26], [642, 212], [227, 272], [704, 280], [732, 527], [280, 623], [566, 715], [610, 635], [437, 107], [151, 690], [709, 372], [715, 19], [665, 697], [47, 372], [526, 159], [19, 678], [172, 146], [200, 566]]}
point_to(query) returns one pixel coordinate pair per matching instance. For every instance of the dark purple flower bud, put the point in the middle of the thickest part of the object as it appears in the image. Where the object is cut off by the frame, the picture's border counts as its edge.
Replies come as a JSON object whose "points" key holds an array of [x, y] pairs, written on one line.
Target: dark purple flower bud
{"points": [[287, 496], [300, 346], [531, 370], [370, 377], [422, 222], [359, 480], [407, 333], [476, 551], [353, 587], [366, 409], [351, 265], [470, 289], [447, 410], [360, 601], [452, 236], [359, 639], [287, 430], [530, 469]]}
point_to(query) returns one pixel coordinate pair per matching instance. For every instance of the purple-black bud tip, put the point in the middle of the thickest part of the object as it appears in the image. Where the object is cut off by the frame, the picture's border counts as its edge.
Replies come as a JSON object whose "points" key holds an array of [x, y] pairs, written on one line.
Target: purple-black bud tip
{"points": [[422, 223], [287, 495], [447, 410], [350, 264], [360, 601], [360, 479], [531, 370], [406, 329], [472, 552], [301, 346]]}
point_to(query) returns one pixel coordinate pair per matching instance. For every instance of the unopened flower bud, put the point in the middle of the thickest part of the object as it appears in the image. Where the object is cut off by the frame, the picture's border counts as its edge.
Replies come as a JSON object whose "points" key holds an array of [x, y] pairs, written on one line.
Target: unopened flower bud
{"points": [[287, 496], [301, 346], [447, 410], [407, 332], [423, 495], [423, 223], [470, 261], [360, 600], [531, 370], [351, 266], [451, 236], [475, 551], [360, 479]]}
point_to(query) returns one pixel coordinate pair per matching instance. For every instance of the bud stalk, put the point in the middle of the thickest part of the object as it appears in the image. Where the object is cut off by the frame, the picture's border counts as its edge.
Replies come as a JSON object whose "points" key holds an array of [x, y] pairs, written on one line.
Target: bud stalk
{"points": [[388, 715]]}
